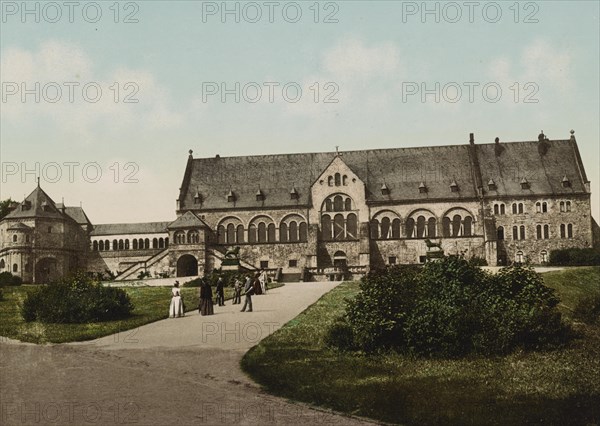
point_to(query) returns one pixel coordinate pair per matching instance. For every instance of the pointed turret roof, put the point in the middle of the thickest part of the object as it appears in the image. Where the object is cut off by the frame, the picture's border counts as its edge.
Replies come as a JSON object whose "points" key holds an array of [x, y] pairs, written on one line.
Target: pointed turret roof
{"points": [[36, 204]]}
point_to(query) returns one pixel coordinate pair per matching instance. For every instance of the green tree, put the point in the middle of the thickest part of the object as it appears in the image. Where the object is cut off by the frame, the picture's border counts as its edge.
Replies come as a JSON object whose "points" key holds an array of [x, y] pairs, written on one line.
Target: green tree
{"points": [[5, 207]]}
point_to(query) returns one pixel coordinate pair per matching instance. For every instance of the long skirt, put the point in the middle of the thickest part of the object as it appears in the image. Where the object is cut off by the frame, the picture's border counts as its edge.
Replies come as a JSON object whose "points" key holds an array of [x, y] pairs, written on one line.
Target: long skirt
{"points": [[206, 307], [176, 309]]}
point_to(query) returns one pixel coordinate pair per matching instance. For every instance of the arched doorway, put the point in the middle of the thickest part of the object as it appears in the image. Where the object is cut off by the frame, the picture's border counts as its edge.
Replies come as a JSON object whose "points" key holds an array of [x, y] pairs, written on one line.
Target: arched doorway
{"points": [[187, 266], [339, 260], [46, 270]]}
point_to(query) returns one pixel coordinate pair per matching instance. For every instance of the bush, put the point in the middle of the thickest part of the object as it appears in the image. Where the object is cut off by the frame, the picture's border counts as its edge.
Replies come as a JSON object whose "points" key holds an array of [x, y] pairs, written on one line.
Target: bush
{"points": [[76, 300], [6, 279], [575, 257], [451, 308], [340, 335], [588, 309]]}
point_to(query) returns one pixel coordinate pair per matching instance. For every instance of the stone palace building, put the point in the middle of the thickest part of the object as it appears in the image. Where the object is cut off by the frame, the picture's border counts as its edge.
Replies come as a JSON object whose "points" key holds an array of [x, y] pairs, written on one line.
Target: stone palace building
{"points": [[313, 215]]}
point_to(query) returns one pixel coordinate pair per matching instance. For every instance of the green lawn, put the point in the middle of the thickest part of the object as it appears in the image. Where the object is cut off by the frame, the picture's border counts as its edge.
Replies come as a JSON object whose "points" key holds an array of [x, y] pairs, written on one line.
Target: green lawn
{"points": [[151, 304], [555, 387]]}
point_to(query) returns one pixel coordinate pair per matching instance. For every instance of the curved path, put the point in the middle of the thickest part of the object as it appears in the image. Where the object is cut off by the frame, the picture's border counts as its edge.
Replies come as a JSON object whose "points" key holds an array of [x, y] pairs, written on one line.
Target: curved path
{"points": [[180, 371]]}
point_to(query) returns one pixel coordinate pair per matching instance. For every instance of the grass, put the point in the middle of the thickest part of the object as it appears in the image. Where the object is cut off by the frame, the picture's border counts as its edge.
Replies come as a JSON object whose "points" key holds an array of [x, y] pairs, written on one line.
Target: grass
{"points": [[552, 387], [151, 304]]}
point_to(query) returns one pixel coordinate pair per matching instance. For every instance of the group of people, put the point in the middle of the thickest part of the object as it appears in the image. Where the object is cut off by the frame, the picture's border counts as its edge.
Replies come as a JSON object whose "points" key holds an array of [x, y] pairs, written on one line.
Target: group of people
{"points": [[254, 284]]}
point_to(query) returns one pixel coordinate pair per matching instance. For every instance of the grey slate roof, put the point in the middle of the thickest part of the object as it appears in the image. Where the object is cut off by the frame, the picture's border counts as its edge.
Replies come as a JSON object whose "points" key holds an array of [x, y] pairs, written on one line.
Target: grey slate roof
{"points": [[129, 228], [401, 169], [36, 202], [187, 220]]}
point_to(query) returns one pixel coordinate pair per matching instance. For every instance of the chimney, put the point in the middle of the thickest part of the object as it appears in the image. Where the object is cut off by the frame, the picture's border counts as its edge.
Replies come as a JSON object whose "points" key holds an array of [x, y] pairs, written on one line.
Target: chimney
{"points": [[472, 138]]}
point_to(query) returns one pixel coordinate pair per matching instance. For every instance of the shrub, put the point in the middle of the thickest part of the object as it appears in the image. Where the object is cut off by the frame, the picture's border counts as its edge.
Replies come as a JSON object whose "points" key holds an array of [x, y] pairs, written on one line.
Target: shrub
{"points": [[1, 295], [588, 309], [340, 335], [451, 308], [6, 279], [143, 274], [575, 257], [76, 300]]}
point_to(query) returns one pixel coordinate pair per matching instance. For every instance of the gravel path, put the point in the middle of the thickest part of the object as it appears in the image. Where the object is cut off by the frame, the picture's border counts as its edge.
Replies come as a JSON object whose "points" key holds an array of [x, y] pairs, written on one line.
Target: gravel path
{"points": [[180, 371]]}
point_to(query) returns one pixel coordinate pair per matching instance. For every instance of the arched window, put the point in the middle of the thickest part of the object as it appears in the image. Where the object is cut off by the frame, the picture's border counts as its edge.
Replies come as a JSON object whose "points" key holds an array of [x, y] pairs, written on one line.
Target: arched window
{"points": [[563, 230], [193, 237], [521, 210], [303, 231], [179, 239], [538, 207], [106, 245], [115, 245], [546, 232], [166, 242], [374, 229], [538, 232], [262, 232], [95, 246], [283, 233], [135, 244], [252, 233], [522, 232], [502, 209], [570, 230], [514, 208], [345, 180], [348, 204], [421, 227], [330, 180], [519, 257], [101, 245], [500, 233], [154, 243], [468, 226], [338, 203], [456, 225], [385, 228], [496, 209], [141, 243], [544, 207], [239, 234], [221, 235], [328, 205], [339, 232], [127, 244], [544, 256], [338, 179], [326, 228], [271, 231], [446, 226], [2, 264], [410, 228], [15, 267], [230, 235], [293, 230], [515, 233], [396, 228], [15, 238], [161, 243], [562, 206], [352, 226], [568, 206]]}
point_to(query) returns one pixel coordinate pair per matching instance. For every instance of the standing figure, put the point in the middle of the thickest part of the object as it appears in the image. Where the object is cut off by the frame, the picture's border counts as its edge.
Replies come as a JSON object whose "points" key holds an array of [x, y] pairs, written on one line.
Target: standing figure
{"points": [[263, 281], [248, 291], [237, 292], [220, 292], [176, 309], [256, 284], [206, 303]]}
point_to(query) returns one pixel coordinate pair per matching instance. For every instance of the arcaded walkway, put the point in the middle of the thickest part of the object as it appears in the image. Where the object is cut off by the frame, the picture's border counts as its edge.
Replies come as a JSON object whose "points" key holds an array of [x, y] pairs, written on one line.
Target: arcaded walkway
{"points": [[179, 371]]}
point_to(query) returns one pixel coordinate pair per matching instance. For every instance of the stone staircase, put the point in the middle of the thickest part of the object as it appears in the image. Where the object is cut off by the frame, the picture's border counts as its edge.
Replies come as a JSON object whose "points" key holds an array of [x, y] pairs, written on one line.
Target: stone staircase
{"points": [[143, 265]]}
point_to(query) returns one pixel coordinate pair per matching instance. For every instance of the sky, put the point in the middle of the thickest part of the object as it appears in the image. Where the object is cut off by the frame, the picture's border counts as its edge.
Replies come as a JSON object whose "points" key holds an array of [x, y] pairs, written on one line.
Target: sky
{"points": [[103, 100]]}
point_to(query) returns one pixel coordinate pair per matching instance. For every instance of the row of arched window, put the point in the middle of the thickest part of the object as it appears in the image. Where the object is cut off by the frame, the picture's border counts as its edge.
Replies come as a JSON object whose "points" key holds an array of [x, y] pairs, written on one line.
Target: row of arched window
{"points": [[292, 229], [521, 258], [458, 225], [189, 237], [337, 180], [540, 207], [542, 232], [15, 267], [133, 244]]}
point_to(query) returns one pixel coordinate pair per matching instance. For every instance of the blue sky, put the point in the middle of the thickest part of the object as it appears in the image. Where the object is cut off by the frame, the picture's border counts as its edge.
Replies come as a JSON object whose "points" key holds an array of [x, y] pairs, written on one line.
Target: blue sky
{"points": [[368, 61]]}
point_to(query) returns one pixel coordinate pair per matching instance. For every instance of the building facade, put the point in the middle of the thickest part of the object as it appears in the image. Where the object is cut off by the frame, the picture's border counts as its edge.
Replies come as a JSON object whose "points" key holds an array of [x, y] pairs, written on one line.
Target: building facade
{"points": [[320, 215]]}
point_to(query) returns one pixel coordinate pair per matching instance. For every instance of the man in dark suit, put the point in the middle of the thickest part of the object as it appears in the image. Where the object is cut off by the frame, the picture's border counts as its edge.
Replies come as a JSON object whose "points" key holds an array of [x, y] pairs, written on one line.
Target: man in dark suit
{"points": [[220, 292], [248, 291]]}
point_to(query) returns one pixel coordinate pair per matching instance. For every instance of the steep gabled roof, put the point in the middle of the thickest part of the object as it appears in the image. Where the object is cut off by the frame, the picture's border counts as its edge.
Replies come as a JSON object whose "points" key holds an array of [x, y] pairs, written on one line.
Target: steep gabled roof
{"points": [[129, 228], [38, 204], [402, 170], [187, 220]]}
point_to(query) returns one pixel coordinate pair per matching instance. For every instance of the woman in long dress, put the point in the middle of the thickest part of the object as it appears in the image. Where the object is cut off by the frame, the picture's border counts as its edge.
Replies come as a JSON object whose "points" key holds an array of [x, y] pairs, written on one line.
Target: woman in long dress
{"points": [[263, 281], [206, 303], [176, 309]]}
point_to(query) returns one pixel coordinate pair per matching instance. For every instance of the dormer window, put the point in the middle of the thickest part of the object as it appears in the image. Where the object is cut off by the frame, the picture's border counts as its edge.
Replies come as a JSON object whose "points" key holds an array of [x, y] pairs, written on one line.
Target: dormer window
{"points": [[524, 184], [260, 196], [26, 205], [231, 197], [454, 186], [385, 190], [492, 185], [566, 183], [294, 194], [422, 188], [198, 198], [45, 206]]}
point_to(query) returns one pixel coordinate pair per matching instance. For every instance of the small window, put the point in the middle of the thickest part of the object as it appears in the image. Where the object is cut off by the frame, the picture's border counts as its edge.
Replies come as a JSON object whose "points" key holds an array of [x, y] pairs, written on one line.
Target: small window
{"points": [[570, 231], [15, 268], [522, 232], [519, 257], [27, 238], [544, 207], [538, 207], [496, 209], [563, 229], [515, 233], [15, 238], [422, 259], [2, 264], [264, 264], [502, 209], [562, 206], [568, 206], [521, 210], [514, 208], [500, 233], [49, 229], [392, 260], [293, 263], [544, 256]]}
